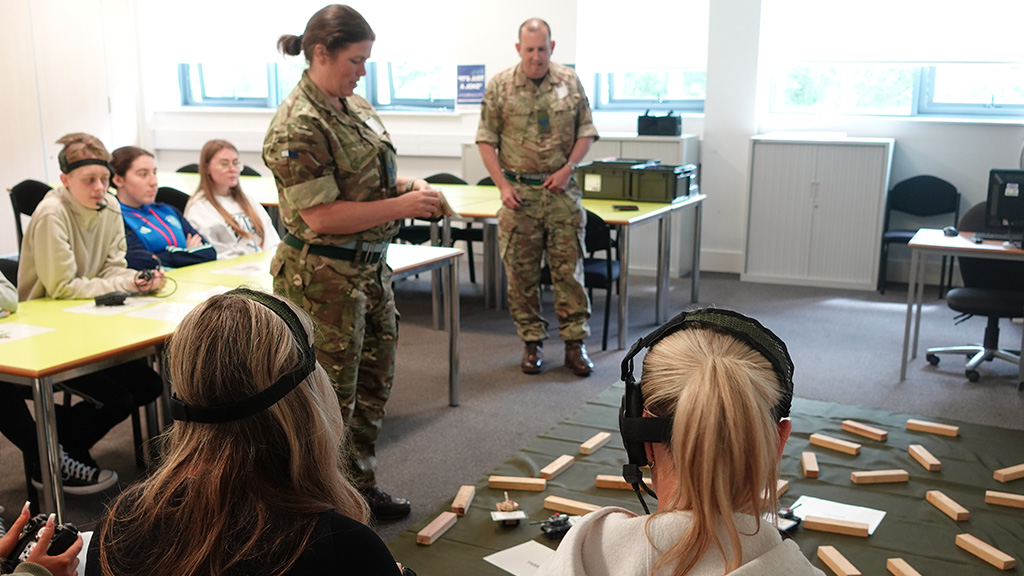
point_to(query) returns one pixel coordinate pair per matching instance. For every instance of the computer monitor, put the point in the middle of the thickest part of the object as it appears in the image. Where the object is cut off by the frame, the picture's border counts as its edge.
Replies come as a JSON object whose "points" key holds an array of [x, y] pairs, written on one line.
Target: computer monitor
{"points": [[1005, 200]]}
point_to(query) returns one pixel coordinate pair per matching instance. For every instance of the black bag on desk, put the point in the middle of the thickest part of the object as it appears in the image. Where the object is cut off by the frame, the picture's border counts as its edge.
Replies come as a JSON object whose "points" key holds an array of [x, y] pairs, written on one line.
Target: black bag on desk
{"points": [[667, 125]]}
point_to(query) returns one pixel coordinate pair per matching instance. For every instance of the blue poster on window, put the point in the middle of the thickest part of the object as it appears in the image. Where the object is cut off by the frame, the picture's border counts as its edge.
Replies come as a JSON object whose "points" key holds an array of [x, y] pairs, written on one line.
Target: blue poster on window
{"points": [[471, 84]]}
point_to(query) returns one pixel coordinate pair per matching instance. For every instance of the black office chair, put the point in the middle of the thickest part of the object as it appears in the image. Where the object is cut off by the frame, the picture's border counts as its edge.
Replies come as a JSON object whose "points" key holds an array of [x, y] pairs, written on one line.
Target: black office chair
{"points": [[992, 288], [9, 268], [602, 273], [469, 234], [172, 196], [921, 196], [486, 181], [25, 196]]}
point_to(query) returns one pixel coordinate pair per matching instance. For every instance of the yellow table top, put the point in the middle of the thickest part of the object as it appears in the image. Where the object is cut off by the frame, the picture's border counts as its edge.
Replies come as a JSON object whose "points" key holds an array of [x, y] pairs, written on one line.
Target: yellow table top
{"points": [[485, 201]]}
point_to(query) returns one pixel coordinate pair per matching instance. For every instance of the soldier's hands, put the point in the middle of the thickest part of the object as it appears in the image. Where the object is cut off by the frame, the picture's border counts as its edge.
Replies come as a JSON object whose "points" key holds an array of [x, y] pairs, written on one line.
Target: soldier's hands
{"points": [[421, 203], [509, 197], [559, 179]]}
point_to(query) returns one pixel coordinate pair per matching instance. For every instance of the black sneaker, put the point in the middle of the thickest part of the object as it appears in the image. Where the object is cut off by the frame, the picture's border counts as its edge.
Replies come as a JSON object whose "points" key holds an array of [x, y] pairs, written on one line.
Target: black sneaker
{"points": [[81, 478], [385, 507], [3, 529]]}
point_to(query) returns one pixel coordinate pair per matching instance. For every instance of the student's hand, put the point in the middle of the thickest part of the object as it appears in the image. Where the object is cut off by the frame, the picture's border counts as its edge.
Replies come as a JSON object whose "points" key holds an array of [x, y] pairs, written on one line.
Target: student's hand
{"points": [[10, 540], [65, 564], [421, 204], [154, 285], [193, 241]]}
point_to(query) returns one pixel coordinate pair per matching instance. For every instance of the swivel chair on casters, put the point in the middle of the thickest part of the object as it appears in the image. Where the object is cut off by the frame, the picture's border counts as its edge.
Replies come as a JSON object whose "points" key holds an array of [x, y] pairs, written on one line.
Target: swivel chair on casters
{"points": [[992, 288]]}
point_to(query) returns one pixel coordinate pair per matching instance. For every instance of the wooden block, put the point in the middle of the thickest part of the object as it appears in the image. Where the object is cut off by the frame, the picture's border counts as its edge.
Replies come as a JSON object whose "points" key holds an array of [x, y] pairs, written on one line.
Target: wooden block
{"points": [[933, 427], [559, 504], [438, 526], [823, 524], [879, 476], [925, 458], [1004, 498], [835, 444], [781, 487], [615, 482], [595, 442], [899, 567], [463, 499], [1011, 473], [865, 430], [559, 465], [985, 551], [809, 462], [948, 506], [837, 562], [517, 483]]}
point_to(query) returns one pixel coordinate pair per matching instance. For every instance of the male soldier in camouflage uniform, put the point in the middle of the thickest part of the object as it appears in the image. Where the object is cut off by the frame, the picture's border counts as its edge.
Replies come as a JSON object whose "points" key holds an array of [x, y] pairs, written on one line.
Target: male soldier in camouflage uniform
{"points": [[333, 159], [535, 127]]}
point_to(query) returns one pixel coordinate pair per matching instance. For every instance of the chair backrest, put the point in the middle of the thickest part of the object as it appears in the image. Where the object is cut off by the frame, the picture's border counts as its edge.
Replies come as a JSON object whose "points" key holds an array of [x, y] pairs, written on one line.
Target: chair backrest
{"points": [[9, 268], [925, 196], [983, 272], [486, 181], [599, 236], [172, 196], [189, 169], [249, 171], [25, 196], [444, 178]]}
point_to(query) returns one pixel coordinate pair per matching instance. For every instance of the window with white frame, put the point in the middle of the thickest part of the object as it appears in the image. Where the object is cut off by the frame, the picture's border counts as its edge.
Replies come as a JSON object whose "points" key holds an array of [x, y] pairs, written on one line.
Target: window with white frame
{"points": [[230, 57], [651, 56], [907, 58]]}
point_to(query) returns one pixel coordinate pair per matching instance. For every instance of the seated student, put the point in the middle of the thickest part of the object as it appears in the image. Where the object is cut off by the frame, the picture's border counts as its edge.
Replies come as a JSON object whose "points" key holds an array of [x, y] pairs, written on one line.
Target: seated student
{"points": [[230, 219], [8, 297], [252, 480], [157, 234], [74, 247], [710, 418], [38, 562]]}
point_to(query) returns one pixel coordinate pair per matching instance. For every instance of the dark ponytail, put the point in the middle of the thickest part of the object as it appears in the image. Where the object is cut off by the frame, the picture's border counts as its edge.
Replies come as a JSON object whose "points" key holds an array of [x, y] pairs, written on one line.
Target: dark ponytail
{"points": [[335, 26]]}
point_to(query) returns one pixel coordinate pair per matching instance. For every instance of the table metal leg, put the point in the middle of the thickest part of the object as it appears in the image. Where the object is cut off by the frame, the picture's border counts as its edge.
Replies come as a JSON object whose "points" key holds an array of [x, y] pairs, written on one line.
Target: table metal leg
{"points": [[664, 246], [695, 274], [911, 289], [492, 260], [623, 284], [49, 451], [453, 332], [920, 298]]}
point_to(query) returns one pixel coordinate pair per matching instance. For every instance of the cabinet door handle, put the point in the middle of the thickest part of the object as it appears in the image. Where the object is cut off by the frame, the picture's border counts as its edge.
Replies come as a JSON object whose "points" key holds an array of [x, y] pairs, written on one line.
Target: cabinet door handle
{"points": [[815, 189]]}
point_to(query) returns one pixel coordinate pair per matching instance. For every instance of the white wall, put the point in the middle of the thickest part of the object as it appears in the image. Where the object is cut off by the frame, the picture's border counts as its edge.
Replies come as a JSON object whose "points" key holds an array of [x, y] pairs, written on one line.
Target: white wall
{"points": [[52, 91]]}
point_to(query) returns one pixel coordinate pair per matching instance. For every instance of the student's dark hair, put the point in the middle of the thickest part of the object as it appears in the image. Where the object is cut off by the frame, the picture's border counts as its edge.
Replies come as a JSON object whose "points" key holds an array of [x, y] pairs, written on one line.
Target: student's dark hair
{"points": [[125, 156], [335, 26]]}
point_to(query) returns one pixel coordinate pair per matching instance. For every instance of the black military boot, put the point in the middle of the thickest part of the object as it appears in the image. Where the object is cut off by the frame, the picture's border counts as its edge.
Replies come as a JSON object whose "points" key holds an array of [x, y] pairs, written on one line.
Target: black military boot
{"points": [[576, 358], [384, 506]]}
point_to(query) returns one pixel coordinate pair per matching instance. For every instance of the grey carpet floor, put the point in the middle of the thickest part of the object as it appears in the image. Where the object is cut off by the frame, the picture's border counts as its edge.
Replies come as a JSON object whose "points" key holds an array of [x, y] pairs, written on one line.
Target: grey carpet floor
{"points": [[846, 347]]}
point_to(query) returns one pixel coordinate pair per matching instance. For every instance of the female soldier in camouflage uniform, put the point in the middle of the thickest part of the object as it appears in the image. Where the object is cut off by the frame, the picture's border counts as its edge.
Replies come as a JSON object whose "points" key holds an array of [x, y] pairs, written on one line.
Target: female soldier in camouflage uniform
{"points": [[340, 200]]}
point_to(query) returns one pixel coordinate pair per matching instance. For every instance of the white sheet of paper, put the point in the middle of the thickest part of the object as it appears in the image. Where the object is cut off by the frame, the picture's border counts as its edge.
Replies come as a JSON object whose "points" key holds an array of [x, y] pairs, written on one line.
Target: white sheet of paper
{"points": [[252, 269], [166, 311], [15, 331], [206, 294], [521, 560], [810, 506], [130, 303]]}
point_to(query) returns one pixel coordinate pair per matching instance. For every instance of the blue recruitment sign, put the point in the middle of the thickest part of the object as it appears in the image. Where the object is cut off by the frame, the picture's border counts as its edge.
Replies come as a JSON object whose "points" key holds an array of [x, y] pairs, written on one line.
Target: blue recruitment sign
{"points": [[471, 84]]}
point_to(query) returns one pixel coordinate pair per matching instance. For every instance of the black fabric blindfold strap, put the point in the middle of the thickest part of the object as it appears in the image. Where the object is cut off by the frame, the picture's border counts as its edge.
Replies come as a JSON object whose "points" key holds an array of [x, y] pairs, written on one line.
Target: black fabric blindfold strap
{"points": [[646, 429], [271, 395], [67, 168]]}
